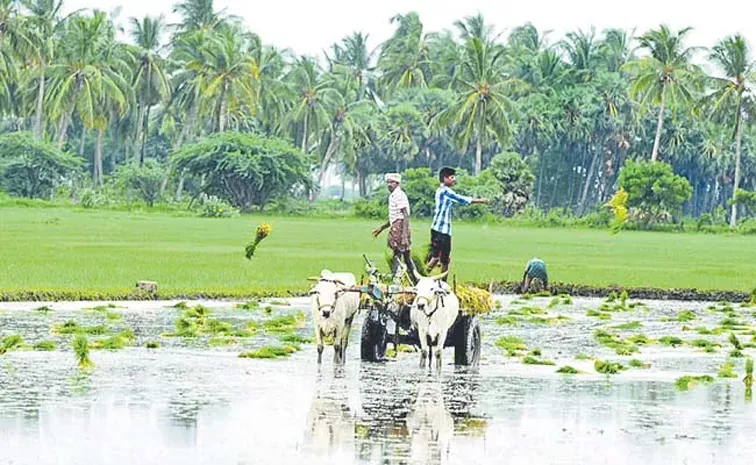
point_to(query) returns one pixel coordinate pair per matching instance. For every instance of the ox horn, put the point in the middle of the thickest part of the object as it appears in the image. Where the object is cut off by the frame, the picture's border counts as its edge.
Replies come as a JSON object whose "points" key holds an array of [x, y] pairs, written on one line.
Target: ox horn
{"points": [[313, 278], [417, 274], [441, 276]]}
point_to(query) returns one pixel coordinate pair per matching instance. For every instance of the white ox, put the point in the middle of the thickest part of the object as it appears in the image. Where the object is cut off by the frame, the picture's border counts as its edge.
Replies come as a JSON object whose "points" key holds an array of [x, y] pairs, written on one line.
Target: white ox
{"points": [[433, 312], [333, 309]]}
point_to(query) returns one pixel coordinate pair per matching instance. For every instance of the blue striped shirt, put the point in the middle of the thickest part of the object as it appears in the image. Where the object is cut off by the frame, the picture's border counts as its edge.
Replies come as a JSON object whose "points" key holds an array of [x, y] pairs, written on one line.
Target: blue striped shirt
{"points": [[445, 198]]}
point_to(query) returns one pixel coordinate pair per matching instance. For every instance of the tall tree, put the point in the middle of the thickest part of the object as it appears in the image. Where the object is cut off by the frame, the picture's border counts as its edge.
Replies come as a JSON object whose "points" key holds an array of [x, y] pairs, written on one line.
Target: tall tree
{"points": [[733, 56], [150, 80], [483, 108], [666, 77]]}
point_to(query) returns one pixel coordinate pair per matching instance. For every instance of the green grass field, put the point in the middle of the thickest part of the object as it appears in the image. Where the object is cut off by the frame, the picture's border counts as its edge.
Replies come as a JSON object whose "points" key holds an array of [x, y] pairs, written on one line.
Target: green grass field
{"points": [[67, 249]]}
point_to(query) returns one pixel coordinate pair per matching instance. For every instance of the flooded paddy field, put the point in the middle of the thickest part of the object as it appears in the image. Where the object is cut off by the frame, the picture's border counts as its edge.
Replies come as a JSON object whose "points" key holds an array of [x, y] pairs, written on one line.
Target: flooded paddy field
{"points": [[168, 386]]}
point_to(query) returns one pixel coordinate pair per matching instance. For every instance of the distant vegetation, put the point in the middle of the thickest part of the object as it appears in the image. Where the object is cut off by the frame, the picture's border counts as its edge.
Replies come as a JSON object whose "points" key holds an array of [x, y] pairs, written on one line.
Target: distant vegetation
{"points": [[204, 111]]}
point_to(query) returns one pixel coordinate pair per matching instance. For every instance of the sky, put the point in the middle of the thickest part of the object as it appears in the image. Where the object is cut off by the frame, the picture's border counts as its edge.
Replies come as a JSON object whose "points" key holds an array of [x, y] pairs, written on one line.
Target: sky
{"points": [[311, 26]]}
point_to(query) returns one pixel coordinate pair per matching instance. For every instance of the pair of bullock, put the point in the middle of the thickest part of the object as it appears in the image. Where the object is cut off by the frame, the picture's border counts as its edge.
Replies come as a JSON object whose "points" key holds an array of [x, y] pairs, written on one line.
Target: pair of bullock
{"points": [[335, 302]]}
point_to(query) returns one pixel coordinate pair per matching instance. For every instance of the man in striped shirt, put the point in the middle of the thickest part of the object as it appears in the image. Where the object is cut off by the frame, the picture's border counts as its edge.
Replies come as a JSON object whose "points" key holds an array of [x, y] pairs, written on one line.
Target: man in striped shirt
{"points": [[441, 229]]}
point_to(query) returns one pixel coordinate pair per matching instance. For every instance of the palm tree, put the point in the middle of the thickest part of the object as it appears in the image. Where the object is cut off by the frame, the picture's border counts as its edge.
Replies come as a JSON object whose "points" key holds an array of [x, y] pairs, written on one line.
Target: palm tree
{"points": [[665, 76], [482, 109], [150, 80], [84, 72], [733, 56], [404, 57], [316, 96], [231, 75]]}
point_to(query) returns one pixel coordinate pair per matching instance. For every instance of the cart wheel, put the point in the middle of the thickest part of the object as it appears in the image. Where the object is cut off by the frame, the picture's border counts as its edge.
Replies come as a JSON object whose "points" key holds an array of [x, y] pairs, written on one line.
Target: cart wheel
{"points": [[467, 343], [374, 339]]}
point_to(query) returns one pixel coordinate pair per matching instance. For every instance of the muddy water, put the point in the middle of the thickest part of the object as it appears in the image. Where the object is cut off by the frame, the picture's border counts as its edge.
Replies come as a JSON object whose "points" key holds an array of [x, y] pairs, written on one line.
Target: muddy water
{"points": [[189, 403]]}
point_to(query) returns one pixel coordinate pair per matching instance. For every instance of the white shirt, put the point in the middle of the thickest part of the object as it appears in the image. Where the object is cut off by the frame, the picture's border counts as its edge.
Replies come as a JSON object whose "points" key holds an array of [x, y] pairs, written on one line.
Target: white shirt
{"points": [[397, 200]]}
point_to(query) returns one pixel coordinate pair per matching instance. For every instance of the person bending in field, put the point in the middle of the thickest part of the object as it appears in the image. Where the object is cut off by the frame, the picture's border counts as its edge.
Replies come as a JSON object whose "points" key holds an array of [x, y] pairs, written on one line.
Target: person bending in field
{"points": [[534, 270], [441, 229], [399, 240]]}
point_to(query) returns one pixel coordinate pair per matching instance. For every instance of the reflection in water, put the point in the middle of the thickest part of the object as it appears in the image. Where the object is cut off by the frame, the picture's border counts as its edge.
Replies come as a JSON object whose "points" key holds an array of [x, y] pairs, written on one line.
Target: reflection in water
{"points": [[330, 421], [430, 425]]}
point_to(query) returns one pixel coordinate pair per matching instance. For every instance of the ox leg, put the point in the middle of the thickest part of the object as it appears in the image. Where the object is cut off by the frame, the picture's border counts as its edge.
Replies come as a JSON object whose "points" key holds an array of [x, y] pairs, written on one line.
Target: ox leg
{"points": [[440, 347], [345, 335], [337, 348], [424, 353], [319, 342]]}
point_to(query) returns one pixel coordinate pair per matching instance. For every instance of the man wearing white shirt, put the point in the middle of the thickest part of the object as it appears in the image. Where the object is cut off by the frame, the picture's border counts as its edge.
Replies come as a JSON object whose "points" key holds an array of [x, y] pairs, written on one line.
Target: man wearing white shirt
{"points": [[399, 238]]}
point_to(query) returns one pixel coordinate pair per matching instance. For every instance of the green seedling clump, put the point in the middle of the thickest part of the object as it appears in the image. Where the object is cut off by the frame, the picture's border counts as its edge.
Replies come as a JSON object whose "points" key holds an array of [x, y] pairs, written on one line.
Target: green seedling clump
{"points": [[43, 309], [548, 321], [568, 370], [629, 326], [115, 342], [609, 368], [270, 352], [529, 360], [535, 352], [640, 339], [12, 342], [280, 303], [726, 370], [704, 331], [295, 339], [687, 382], [613, 341], [705, 344], [635, 363], [511, 344], [673, 341], [686, 316], [181, 306], [748, 379], [284, 323], [152, 344], [507, 320], [81, 351], [582, 357], [251, 305], [600, 315], [527, 311], [561, 299], [218, 341], [45, 346]]}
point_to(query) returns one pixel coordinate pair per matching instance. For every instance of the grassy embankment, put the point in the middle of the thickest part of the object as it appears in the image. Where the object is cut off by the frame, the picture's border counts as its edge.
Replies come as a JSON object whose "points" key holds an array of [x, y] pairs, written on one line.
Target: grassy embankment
{"points": [[101, 254]]}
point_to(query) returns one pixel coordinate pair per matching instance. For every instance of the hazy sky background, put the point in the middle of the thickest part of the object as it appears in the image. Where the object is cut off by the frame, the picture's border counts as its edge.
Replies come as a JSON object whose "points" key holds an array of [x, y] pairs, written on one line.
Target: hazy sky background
{"points": [[311, 26]]}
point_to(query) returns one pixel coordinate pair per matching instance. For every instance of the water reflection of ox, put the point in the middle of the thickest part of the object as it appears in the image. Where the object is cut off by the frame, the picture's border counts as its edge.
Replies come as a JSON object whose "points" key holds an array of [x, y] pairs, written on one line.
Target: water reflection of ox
{"points": [[399, 419]]}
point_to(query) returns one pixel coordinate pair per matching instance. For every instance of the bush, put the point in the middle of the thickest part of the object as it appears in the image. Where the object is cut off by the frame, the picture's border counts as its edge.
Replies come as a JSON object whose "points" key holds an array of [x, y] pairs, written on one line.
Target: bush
{"points": [[246, 170], [515, 183], [144, 182], [32, 168], [654, 192], [210, 206]]}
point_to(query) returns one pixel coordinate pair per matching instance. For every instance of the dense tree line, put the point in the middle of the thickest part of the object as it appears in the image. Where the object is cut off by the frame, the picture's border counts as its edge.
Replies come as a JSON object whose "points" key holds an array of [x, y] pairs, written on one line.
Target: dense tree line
{"points": [[574, 111]]}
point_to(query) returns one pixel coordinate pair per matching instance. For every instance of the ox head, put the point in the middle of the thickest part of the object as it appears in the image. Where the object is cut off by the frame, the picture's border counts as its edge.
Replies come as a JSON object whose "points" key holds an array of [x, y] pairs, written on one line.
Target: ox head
{"points": [[326, 292], [428, 290]]}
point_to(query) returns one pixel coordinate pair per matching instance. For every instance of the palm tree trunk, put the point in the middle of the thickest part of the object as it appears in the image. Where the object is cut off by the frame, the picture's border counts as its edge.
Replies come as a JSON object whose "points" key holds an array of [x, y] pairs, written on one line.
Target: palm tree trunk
{"points": [[659, 124], [304, 132], [82, 141], [144, 135], [146, 127], [326, 163], [736, 181], [478, 153], [221, 121], [139, 125], [587, 184], [60, 138], [98, 158], [40, 107]]}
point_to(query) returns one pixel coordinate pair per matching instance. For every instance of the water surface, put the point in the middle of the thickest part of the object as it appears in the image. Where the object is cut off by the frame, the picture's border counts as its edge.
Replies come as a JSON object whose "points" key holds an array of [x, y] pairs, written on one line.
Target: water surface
{"points": [[188, 403]]}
